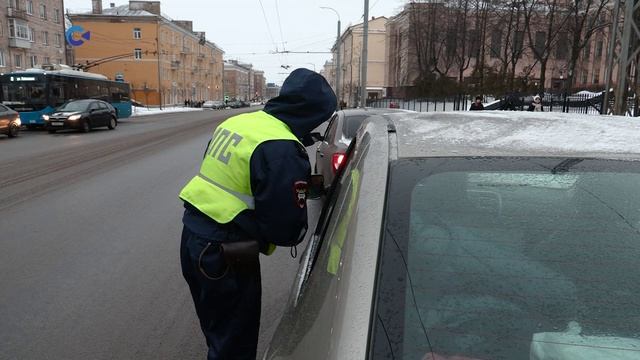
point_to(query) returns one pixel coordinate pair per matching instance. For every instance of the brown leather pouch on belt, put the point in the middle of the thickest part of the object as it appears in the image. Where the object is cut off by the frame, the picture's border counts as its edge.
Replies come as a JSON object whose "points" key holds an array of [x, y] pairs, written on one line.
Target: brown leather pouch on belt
{"points": [[241, 255]]}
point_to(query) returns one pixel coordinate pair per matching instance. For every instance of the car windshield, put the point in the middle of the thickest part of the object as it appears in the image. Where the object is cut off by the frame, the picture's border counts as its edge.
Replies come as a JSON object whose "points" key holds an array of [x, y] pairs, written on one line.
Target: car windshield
{"points": [[510, 259], [351, 125], [75, 106]]}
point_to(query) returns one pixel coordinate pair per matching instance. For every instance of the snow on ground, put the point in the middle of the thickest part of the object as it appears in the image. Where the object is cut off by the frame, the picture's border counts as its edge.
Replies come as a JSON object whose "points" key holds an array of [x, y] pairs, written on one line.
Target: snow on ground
{"points": [[142, 111], [523, 131]]}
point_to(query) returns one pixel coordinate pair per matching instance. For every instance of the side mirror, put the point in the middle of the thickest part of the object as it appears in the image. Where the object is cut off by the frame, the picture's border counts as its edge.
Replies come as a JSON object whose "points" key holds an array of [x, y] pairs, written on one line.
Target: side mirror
{"points": [[316, 136], [316, 187]]}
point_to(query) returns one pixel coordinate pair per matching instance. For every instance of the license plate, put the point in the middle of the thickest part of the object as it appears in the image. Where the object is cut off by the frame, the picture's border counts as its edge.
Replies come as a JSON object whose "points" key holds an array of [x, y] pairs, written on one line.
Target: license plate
{"points": [[57, 123]]}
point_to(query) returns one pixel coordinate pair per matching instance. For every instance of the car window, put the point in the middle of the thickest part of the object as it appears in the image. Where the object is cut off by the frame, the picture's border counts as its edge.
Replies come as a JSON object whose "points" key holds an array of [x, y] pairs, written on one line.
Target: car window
{"points": [[3, 108], [510, 259], [93, 106], [102, 106], [74, 106], [331, 129], [350, 126]]}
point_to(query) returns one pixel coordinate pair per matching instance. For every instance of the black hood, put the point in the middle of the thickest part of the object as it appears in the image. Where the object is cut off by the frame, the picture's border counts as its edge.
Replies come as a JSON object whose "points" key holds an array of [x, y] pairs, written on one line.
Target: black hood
{"points": [[306, 100]]}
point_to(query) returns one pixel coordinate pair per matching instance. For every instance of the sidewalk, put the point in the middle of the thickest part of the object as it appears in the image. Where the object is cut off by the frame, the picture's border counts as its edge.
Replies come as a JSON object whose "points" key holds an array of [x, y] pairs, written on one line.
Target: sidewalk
{"points": [[142, 111]]}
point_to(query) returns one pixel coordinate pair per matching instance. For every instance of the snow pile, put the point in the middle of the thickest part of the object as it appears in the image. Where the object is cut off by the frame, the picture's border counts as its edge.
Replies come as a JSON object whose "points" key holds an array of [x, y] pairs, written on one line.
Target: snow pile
{"points": [[524, 131], [142, 111]]}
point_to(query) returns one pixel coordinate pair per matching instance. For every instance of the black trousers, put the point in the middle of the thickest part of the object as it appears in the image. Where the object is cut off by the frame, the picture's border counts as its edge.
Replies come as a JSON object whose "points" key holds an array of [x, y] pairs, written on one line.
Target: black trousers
{"points": [[227, 301]]}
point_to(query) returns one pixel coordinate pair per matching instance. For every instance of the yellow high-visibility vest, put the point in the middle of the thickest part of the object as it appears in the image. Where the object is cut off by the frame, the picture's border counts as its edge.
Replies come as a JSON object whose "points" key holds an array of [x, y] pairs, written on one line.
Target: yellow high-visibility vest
{"points": [[222, 188]]}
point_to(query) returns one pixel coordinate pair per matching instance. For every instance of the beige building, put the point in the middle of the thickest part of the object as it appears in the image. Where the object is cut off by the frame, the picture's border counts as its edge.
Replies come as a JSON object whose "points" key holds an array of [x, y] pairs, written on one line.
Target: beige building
{"points": [[31, 34], [164, 60], [350, 53], [237, 80]]}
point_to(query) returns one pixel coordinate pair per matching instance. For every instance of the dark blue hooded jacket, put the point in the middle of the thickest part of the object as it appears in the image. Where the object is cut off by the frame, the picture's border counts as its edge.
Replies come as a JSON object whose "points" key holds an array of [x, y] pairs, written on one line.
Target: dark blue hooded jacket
{"points": [[306, 100]]}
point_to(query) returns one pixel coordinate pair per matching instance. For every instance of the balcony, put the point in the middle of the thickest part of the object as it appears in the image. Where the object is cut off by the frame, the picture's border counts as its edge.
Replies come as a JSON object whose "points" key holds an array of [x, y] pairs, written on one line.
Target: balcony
{"points": [[16, 13], [175, 65], [19, 43]]}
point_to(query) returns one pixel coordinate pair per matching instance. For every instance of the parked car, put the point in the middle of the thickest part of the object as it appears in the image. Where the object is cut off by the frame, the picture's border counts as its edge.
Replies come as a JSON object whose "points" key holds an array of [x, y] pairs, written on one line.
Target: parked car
{"points": [[9, 122], [342, 127], [214, 105], [474, 236], [84, 115]]}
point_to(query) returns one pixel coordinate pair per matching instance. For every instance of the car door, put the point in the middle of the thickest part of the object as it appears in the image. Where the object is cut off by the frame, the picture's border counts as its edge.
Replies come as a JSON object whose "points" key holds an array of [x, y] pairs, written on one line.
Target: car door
{"points": [[94, 115], [323, 152], [5, 119], [105, 113], [306, 330]]}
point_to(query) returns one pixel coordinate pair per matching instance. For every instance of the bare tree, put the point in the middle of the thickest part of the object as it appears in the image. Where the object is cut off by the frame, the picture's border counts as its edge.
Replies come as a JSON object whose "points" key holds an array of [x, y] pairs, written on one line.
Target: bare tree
{"points": [[585, 18], [543, 23]]}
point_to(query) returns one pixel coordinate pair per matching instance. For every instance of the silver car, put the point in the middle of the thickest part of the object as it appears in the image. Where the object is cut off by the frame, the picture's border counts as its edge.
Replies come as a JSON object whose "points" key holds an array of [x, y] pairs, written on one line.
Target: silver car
{"points": [[342, 127], [475, 236]]}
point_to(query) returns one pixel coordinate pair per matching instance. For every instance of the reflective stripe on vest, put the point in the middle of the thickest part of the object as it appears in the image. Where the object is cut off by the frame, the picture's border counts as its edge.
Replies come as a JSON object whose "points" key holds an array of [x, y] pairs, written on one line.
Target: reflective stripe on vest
{"points": [[222, 189]]}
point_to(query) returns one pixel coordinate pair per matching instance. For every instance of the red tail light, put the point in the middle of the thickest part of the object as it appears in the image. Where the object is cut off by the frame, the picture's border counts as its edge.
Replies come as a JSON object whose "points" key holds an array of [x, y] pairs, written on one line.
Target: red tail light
{"points": [[337, 160]]}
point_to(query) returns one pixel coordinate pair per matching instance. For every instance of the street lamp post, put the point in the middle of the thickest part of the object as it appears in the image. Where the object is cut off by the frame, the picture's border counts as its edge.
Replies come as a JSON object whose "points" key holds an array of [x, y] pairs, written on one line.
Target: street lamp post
{"points": [[338, 67], [365, 56]]}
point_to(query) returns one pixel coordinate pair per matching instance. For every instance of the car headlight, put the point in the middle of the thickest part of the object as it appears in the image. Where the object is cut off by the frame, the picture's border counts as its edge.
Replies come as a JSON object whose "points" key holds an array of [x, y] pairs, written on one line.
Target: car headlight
{"points": [[17, 121], [74, 117], [45, 117]]}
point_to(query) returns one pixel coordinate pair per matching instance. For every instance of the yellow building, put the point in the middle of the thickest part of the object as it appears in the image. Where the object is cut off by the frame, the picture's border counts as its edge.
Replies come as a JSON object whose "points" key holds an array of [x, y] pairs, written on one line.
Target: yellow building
{"points": [[350, 63], [164, 60]]}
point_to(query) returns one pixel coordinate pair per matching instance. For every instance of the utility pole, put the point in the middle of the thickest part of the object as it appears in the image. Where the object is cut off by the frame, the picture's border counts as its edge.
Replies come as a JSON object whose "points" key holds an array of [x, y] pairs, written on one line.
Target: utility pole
{"points": [[364, 56], [628, 57], [610, 58], [338, 67]]}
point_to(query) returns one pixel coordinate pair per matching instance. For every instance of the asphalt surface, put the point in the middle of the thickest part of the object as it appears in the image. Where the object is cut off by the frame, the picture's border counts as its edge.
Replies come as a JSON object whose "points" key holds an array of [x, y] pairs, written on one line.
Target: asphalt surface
{"points": [[89, 243]]}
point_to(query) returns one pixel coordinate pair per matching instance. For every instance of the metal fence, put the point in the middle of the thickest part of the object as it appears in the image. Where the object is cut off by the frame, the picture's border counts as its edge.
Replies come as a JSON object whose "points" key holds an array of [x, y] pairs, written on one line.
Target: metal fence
{"points": [[580, 103]]}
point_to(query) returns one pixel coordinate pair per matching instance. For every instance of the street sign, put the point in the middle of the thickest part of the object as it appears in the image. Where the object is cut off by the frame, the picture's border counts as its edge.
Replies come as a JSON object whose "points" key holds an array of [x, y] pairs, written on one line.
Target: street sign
{"points": [[226, 98]]}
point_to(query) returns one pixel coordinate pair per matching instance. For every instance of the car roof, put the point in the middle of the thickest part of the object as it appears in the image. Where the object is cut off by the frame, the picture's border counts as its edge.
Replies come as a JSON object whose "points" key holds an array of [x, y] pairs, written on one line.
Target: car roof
{"points": [[372, 111], [511, 133]]}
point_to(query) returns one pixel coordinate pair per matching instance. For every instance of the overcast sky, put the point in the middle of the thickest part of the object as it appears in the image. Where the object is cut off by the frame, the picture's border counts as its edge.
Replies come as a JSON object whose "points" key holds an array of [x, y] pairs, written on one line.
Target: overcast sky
{"points": [[239, 27]]}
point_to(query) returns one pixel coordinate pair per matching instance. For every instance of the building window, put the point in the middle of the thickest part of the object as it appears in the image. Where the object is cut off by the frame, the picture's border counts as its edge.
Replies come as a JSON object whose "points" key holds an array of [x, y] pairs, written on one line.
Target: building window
{"points": [[45, 38], [587, 51], [137, 33], [496, 45], [59, 61], [3, 62], [17, 60], [47, 60], [584, 76], [18, 29], [519, 43], [43, 11], [596, 77], [562, 46], [1, 31], [58, 40], [137, 54], [56, 16], [33, 60], [32, 35], [30, 7], [599, 46], [540, 42]]}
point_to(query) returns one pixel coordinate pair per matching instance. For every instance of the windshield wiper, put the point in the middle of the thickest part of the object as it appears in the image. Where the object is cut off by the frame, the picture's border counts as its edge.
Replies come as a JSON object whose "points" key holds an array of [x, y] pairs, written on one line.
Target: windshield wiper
{"points": [[565, 165]]}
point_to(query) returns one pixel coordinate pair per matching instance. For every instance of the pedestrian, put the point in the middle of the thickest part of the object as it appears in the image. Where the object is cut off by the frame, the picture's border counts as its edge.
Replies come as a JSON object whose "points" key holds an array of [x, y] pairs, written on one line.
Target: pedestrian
{"points": [[248, 197], [477, 105], [536, 105], [186, 103]]}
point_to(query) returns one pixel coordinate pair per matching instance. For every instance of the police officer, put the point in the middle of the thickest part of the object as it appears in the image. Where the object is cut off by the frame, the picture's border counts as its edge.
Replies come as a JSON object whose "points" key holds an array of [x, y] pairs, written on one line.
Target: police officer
{"points": [[249, 196]]}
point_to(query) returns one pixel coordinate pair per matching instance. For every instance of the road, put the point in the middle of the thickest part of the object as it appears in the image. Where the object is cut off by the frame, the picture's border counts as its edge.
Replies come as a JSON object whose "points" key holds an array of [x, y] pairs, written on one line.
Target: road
{"points": [[89, 240]]}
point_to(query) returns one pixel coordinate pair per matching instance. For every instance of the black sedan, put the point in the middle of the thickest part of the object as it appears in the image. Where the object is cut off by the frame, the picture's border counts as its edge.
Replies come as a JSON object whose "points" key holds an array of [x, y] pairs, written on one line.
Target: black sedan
{"points": [[83, 115], [9, 122]]}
